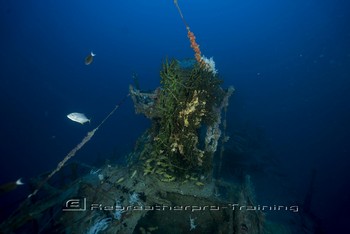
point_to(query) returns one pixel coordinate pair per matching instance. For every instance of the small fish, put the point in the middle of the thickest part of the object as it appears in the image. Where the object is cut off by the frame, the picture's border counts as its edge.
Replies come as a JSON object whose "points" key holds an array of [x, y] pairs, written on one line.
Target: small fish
{"points": [[4, 188], [133, 174], [120, 180], [90, 58], [78, 117]]}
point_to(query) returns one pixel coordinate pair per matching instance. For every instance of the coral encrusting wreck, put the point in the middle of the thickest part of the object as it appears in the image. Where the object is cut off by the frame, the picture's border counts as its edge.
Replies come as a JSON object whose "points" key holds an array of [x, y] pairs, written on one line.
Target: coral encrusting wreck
{"points": [[186, 116]]}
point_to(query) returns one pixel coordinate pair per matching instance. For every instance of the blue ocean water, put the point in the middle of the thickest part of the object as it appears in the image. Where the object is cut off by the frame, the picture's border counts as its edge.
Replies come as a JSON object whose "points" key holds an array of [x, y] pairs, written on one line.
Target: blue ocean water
{"points": [[289, 62]]}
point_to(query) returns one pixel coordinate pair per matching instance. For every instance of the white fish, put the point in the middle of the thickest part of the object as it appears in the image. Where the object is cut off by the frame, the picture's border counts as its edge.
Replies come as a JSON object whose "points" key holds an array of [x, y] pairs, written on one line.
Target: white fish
{"points": [[4, 188], [78, 117]]}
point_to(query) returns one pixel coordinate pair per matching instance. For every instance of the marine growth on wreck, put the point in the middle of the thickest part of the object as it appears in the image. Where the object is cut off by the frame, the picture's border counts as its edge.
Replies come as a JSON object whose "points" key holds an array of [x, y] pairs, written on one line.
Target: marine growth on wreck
{"points": [[186, 116]]}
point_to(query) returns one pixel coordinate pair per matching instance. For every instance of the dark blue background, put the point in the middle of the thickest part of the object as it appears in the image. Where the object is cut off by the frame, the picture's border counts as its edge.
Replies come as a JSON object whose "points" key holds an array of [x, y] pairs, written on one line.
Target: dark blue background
{"points": [[288, 60]]}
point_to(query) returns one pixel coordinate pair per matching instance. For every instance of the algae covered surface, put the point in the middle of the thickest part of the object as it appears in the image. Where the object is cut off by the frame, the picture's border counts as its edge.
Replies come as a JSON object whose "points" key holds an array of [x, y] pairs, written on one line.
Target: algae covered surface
{"points": [[185, 113]]}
